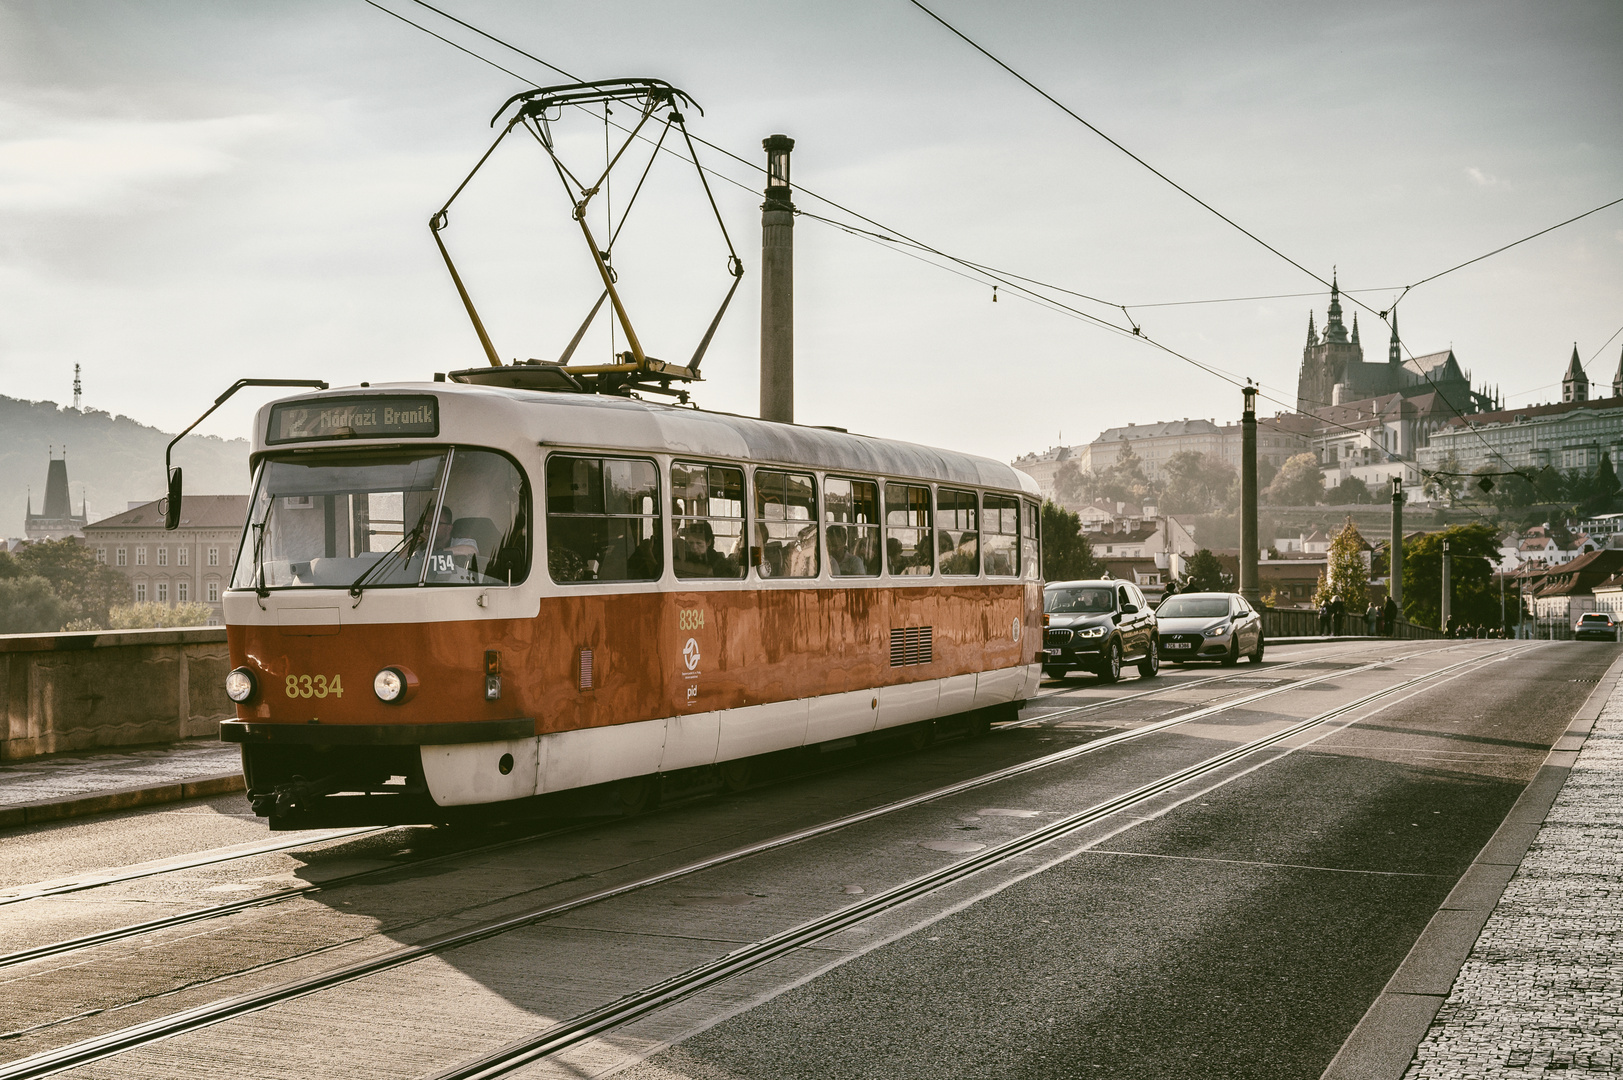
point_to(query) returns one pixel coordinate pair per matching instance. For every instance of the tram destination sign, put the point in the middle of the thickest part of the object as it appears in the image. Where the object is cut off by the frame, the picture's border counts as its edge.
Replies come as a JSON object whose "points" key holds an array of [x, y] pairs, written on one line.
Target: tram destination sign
{"points": [[377, 416]]}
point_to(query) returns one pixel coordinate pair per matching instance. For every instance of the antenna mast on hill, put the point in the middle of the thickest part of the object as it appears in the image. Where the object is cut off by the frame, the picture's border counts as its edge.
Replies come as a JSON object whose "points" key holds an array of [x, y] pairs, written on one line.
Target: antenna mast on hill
{"points": [[76, 386]]}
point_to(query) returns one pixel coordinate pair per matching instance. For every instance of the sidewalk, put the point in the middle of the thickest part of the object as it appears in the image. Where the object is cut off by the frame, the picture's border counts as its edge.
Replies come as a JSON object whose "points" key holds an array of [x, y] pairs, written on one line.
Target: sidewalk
{"points": [[1520, 973], [91, 782]]}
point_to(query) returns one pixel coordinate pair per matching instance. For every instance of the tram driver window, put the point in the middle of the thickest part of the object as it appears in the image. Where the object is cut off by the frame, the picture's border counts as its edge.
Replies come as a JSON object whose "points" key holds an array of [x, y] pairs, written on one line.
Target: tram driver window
{"points": [[960, 538], [1000, 535], [481, 535], [707, 516], [786, 524], [851, 509], [909, 539], [603, 519]]}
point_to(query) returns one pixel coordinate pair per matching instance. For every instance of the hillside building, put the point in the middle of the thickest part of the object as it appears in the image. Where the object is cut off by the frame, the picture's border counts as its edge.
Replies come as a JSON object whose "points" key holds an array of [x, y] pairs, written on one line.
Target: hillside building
{"points": [[191, 564], [1571, 436], [1334, 371]]}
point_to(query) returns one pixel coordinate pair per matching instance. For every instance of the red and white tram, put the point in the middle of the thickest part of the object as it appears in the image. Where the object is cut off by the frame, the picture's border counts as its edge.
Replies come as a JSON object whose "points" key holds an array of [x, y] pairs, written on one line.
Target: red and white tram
{"points": [[452, 594]]}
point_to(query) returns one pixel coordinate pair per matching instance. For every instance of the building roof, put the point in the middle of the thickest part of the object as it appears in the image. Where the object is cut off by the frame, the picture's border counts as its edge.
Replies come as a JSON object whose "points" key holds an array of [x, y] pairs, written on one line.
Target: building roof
{"points": [[1582, 574], [1159, 429], [196, 512], [1527, 412]]}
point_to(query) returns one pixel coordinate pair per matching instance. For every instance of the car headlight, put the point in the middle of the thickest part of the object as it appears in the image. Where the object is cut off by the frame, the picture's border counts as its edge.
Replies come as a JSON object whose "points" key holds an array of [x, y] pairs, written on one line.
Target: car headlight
{"points": [[389, 684], [240, 685], [1219, 630], [1091, 631]]}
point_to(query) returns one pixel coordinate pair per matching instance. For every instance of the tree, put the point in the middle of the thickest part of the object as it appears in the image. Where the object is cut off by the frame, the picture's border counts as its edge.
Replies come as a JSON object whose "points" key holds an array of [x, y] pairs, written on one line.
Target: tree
{"points": [[1125, 480], [150, 616], [1353, 490], [1070, 486], [1067, 553], [1197, 483], [1298, 482], [28, 605], [87, 588], [1345, 578], [1206, 573], [1470, 548], [1446, 483]]}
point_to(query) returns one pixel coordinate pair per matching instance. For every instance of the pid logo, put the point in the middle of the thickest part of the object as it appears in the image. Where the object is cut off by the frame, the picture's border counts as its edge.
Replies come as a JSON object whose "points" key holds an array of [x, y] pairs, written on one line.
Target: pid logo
{"points": [[690, 654]]}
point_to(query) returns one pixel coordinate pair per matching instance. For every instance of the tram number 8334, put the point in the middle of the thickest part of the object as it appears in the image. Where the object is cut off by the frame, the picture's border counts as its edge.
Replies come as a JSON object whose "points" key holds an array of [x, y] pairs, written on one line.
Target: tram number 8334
{"points": [[319, 686]]}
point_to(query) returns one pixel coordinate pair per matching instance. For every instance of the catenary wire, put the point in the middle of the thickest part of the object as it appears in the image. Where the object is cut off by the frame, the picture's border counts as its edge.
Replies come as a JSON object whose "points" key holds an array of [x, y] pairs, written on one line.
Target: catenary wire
{"points": [[1135, 330]]}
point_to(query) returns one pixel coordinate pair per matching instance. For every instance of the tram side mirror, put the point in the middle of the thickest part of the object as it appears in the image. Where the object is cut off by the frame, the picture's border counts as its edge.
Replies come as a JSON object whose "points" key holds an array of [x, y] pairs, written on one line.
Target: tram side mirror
{"points": [[171, 509]]}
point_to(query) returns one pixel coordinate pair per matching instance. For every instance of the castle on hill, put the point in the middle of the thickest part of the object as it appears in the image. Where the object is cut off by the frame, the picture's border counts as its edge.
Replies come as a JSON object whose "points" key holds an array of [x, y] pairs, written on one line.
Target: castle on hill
{"points": [[1334, 371]]}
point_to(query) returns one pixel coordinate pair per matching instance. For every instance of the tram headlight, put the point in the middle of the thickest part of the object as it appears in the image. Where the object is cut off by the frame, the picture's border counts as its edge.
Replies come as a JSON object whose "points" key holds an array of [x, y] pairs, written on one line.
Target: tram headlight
{"points": [[240, 685], [389, 685]]}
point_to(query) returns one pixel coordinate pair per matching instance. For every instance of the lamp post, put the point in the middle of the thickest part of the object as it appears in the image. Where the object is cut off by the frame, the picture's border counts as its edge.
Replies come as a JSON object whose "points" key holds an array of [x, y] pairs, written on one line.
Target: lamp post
{"points": [[1446, 589], [778, 285], [1248, 499], [1394, 586]]}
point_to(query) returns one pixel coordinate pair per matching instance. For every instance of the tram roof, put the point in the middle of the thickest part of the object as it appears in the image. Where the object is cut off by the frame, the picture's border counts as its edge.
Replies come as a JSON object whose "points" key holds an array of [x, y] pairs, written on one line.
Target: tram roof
{"points": [[589, 420]]}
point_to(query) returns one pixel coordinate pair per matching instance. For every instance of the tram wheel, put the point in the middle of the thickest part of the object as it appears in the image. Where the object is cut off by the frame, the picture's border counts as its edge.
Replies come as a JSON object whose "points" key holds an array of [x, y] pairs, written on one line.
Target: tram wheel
{"points": [[637, 795], [736, 774], [921, 735]]}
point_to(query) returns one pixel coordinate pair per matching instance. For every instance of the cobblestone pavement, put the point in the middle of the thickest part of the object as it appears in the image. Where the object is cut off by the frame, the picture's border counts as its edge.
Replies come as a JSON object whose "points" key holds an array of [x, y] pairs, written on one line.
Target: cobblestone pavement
{"points": [[63, 776], [1542, 991]]}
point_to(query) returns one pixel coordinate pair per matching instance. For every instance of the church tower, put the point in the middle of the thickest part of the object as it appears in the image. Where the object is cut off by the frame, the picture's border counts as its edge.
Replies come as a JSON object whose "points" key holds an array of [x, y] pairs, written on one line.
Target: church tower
{"points": [[1617, 380], [1575, 384], [1335, 358]]}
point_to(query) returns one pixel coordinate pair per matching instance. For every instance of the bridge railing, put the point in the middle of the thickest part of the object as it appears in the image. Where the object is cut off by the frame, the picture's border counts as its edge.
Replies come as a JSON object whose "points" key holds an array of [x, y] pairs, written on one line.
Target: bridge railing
{"points": [[80, 691]]}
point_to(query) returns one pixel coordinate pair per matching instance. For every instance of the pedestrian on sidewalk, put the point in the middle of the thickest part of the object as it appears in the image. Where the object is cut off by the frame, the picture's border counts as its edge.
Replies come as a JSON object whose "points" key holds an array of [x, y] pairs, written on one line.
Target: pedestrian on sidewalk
{"points": [[1372, 616], [1389, 613], [1324, 619]]}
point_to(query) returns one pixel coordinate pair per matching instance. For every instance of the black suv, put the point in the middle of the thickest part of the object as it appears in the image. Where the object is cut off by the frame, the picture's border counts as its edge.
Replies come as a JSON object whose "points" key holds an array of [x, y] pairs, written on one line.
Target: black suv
{"points": [[1098, 626]]}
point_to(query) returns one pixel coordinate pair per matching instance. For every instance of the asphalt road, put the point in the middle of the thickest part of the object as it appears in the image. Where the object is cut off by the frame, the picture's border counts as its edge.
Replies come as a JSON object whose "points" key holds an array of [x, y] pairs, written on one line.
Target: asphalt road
{"points": [[1243, 935], [1236, 925]]}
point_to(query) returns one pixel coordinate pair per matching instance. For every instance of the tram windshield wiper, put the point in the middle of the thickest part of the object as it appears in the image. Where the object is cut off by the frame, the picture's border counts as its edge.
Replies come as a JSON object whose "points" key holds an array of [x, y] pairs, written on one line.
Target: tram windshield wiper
{"points": [[412, 536], [259, 559]]}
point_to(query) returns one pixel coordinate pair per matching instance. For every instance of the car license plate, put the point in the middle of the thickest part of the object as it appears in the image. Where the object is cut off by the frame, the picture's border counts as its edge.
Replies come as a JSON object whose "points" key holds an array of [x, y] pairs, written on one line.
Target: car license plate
{"points": [[1179, 645]]}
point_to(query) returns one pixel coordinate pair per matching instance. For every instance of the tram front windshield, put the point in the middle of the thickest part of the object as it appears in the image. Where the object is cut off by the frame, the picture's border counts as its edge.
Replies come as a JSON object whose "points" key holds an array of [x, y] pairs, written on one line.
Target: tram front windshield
{"points": [[424, 517]]}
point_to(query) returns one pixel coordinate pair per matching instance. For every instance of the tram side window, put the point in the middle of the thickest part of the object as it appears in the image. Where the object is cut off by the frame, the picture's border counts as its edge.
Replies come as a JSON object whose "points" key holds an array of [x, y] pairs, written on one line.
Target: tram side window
{"points": [[909, 539], [785, 524], [1000, 535], [482, 534], [707, 515], [955, 515], [603, 519], [851, 509], [1032, 548]]}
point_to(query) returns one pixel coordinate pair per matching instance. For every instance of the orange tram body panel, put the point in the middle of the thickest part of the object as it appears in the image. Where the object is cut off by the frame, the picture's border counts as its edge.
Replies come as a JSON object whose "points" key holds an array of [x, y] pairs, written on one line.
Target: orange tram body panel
{"points": [[450, 596]]}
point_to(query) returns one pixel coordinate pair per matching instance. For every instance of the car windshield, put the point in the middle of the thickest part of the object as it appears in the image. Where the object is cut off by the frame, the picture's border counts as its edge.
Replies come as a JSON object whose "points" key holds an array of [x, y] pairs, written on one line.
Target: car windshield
{"points": [[1085, 600], [404, 517], [1194, 607]]}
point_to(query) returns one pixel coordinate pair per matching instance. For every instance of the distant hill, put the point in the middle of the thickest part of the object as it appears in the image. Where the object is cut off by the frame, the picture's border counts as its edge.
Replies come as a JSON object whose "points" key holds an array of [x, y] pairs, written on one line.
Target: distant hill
{"points": [[112, 460]]}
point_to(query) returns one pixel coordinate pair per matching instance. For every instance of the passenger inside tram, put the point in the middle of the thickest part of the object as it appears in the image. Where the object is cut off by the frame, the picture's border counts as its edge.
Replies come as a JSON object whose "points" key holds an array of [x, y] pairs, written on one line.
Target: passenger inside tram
{"points": [[697, 556], [842, 560]]}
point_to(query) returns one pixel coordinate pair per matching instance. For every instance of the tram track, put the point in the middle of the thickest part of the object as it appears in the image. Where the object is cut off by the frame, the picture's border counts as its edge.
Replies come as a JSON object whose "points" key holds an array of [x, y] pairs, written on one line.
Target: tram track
{"points": [[113, 1043], [650, 999], [104, 937]]}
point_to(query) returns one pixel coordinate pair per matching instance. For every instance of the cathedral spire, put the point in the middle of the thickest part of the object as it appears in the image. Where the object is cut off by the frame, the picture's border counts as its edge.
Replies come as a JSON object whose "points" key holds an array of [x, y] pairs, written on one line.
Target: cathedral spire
{"points": [[1394, 351], [1312, 334], [1617, 380], [1355, 328], [1333, 328]]}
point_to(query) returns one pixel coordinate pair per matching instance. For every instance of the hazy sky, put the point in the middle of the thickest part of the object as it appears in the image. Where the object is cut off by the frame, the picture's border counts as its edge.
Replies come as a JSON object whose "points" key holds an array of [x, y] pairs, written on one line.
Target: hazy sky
{"points": [[197, 192]]}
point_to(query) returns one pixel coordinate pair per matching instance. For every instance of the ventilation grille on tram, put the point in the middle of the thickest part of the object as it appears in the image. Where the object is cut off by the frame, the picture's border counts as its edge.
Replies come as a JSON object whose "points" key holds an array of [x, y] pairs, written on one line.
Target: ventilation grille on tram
{"points": [[585, 669], [911, 645]]}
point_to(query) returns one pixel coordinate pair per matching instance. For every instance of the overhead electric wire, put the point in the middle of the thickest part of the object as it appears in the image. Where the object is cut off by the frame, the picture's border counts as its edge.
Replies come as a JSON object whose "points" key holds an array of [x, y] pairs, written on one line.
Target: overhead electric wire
{"points": [[1010, 280], [1016, 289]]}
